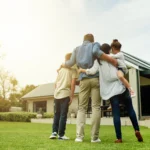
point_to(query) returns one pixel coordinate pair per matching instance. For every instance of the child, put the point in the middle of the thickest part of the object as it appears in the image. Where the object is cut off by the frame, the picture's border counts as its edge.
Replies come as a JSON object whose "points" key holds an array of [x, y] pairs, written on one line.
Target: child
{"points": [[122, 69], [63, 95]]}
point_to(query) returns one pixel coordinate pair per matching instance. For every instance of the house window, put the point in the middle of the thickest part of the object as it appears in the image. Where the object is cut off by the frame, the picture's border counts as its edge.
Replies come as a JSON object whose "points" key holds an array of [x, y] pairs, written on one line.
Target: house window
{"points": [[38, 105]]}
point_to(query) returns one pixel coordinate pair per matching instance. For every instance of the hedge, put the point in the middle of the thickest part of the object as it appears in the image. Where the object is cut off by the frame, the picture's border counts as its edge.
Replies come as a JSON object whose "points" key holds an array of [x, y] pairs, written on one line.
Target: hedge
{"points": [[21, 116], [17, 116], [48, 115]]}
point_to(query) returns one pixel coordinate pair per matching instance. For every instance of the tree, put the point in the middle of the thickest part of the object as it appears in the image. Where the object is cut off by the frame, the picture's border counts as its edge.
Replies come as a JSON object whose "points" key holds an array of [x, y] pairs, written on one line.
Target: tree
{"points": [[24, 91], [8, 89], [14, 97], [14, 83], [27, 89], [8, 84], [5, 84], [4, 105]]}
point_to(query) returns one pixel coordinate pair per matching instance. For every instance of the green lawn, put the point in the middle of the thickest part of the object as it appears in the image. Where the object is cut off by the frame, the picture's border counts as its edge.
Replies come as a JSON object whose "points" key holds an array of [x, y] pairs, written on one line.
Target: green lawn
{"points": [[29, 136]]}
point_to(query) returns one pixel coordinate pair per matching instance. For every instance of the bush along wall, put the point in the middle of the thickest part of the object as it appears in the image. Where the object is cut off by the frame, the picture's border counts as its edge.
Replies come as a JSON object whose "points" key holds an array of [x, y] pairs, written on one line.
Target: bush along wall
{"points": [[17, 116], [48, 115]]}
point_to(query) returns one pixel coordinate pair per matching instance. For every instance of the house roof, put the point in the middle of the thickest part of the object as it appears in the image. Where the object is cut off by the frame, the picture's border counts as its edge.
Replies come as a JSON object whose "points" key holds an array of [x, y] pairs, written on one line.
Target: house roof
{"points": [[136, 62], [43, 91]]}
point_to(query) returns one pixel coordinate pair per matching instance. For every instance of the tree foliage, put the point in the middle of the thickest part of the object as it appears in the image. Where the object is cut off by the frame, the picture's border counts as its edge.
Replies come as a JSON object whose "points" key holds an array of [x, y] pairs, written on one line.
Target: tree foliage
{"points": [[10, 95], [15, 97], [4, 105], [27, 89], [8, 84]]}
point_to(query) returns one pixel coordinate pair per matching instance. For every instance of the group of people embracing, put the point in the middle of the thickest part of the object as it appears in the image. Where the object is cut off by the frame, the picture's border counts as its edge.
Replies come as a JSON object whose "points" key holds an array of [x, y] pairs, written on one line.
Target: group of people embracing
{"points": [[101, 71]]}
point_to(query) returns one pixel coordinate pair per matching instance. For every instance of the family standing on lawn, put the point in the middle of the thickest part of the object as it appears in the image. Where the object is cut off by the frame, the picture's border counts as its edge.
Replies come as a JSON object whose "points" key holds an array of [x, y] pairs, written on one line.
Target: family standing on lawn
{"points": [[101, 76]]}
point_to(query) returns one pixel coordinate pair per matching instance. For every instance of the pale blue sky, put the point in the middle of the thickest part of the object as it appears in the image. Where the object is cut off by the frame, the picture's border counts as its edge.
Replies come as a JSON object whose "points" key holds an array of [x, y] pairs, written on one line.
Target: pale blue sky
{"points": [[36, 34]]}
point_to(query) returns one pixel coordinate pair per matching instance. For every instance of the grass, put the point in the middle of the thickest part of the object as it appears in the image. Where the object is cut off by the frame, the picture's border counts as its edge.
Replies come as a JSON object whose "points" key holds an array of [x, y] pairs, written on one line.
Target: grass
{"points": [[29, 136]]}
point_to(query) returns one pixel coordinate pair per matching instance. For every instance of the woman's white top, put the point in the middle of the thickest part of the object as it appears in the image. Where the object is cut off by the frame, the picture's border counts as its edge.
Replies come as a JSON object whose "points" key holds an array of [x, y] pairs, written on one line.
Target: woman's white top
{"points": [[110, 85]]}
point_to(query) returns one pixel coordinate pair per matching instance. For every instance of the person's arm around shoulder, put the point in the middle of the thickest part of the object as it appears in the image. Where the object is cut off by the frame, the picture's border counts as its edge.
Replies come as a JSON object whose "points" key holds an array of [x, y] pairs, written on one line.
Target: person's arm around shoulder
{"points": [[72, 61], [109, 59], [92, 70], [98, 53], [96, 50]]}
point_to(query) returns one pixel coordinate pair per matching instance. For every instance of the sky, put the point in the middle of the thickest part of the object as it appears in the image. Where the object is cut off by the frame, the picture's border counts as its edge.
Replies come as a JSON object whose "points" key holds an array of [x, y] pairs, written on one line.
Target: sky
{"points": [[35, 35]]}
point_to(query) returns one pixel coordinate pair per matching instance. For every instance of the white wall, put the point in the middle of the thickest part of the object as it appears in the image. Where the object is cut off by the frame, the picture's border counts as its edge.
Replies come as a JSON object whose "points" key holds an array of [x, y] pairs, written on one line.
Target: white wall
{"points": [[50, 104], [133, 83], [30, 106]]}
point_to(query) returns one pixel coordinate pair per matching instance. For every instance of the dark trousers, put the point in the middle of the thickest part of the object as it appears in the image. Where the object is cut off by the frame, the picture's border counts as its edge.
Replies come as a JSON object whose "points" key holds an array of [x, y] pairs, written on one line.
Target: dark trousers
{"points": [[115, 101], [60, 115]]}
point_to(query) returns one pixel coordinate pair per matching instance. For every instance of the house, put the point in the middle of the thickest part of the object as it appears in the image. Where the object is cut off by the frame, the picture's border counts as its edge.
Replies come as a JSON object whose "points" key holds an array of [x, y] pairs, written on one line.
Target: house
{"points": [[43, 97], [138, 76]]}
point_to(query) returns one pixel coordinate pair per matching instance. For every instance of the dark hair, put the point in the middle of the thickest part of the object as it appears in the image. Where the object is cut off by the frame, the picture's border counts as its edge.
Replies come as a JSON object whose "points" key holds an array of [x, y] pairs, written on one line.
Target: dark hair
{"points": [[88, 37], [67, 56], [105, 48], [116, 44]]}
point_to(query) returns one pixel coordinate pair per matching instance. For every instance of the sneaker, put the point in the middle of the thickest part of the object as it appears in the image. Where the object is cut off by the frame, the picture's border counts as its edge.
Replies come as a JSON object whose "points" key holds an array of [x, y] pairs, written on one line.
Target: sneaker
{"points": [[96, 141], [139, 136], [53, 135], [118, 141], [78, 140], [63, 138]]}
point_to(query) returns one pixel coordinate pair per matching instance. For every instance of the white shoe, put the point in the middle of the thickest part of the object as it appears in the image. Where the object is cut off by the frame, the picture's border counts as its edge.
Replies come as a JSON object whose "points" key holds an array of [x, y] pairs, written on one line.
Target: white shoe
{"points": [[78, 140], [53, 135], [63, 138], [96, 141]]}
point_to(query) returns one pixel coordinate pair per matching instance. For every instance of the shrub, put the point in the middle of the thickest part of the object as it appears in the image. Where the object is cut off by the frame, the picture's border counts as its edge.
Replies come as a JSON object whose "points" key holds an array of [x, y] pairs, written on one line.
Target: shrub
{"points": [[4, 105], [17, 116], [48, 115]]}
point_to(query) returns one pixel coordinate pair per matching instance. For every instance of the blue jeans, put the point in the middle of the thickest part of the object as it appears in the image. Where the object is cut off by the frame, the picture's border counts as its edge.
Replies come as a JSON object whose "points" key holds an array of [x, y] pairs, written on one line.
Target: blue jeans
{"points": [[60, 115], [126, 99]]}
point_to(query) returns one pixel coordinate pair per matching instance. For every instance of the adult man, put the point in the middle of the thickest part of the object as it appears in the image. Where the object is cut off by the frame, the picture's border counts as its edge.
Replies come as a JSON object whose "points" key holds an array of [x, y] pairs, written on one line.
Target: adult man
{"points": [[84, 57]]}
